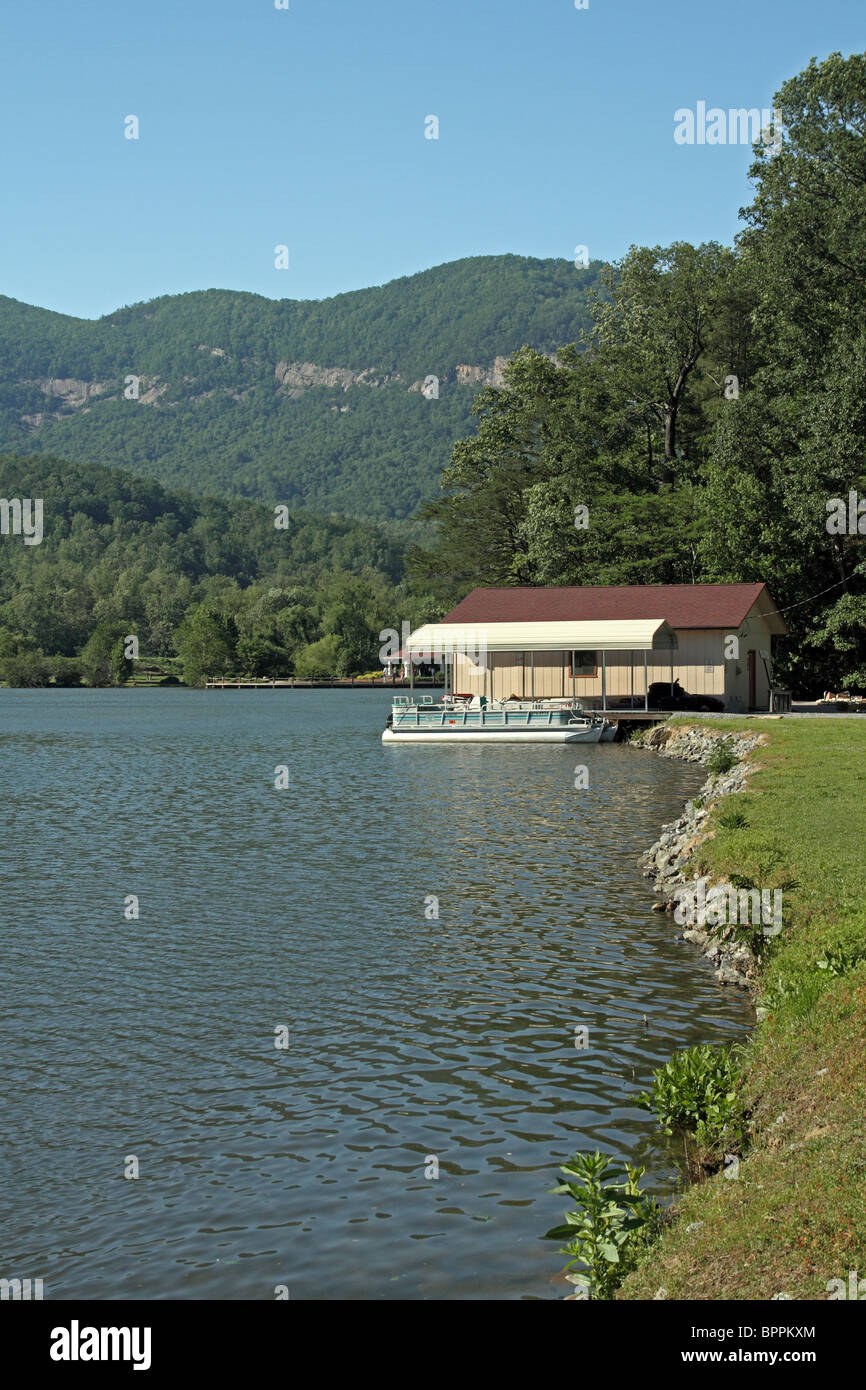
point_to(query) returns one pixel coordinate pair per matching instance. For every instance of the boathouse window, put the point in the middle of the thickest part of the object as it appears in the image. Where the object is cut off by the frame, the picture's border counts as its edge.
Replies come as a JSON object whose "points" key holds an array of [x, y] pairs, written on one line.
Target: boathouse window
{"points": [[584, 664]]}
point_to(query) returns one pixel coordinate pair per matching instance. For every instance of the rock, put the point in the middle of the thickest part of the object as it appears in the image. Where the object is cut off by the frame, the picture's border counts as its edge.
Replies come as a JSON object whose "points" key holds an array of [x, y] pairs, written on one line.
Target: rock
{"points": [[658, 907], [695, 935], [718, 893], [727, 976]]}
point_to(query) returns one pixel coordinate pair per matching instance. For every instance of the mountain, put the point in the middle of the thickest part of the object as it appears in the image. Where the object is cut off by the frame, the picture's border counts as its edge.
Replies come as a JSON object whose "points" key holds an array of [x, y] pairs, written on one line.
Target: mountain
{"points": [[116, 549], [319, 404]]}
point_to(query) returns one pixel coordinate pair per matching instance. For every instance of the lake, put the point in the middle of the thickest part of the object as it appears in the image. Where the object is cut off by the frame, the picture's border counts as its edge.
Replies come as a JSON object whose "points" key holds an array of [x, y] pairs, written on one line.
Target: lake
{"points": [[307, 914]]}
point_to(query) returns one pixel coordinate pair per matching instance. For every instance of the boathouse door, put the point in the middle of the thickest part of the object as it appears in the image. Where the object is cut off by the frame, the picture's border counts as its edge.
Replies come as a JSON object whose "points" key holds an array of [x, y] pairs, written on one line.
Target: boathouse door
{"points": [[753, 687]]}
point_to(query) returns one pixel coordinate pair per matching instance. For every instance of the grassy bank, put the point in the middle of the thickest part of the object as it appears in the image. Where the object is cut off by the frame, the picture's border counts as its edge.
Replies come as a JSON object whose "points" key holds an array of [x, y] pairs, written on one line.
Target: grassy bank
{"points": [[795, 1217]]}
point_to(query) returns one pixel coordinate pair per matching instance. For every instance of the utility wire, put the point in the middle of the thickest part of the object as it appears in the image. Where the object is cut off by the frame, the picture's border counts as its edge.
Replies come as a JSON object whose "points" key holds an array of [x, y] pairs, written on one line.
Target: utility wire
{"points": [[858, 569]]}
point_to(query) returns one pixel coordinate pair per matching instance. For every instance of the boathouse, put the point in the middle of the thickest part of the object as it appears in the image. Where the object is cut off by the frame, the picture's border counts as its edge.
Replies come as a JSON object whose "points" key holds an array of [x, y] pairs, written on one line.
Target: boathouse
{"points": [[612, 647]]}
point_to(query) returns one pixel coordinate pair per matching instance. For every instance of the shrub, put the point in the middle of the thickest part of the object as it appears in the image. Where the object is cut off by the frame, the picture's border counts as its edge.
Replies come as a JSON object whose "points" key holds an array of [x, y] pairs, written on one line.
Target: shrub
{"points": [[722, 758], [319, 659], [612, 1221], [697, 1093], [839, 960], [27, 669]]}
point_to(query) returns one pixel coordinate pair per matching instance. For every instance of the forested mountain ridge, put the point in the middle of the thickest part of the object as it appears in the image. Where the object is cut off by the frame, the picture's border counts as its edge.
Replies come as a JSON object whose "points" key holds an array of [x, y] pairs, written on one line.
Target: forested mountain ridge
{"points": [[216, 581], [317, 404]]}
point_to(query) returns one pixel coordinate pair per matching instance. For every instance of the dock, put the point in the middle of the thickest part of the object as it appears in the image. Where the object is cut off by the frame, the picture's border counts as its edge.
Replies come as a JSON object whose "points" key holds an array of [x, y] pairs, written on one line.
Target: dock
{"points": [[320, 683]]}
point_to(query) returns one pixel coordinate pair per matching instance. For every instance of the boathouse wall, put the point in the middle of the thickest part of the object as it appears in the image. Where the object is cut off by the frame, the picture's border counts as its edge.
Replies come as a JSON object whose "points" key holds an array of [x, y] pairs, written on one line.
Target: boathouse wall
{"points": [[699, 664]]}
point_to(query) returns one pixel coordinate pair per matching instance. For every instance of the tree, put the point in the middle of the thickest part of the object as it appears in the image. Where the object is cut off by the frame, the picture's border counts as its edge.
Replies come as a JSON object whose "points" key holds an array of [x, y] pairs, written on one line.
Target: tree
{"points": [[206, 644], [350, 615], [28, 669], [103, 661], [524, 434], [654, 327], [259, 655], [318, 660], [559, 485], [798, 437]]}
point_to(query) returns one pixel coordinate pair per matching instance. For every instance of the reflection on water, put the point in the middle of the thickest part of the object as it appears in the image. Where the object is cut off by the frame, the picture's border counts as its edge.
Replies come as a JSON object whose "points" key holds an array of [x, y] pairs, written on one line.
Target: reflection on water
{"points": [[410, 1037]]}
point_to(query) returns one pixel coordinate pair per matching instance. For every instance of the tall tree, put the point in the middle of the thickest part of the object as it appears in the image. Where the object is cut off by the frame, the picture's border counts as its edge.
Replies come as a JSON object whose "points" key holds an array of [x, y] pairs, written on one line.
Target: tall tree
{"points": [[206, 644], [655, 325], [797, 439]]}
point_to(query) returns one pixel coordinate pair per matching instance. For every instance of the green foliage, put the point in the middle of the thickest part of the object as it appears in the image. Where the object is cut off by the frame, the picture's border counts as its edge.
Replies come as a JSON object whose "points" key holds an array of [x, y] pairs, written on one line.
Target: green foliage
{"points": [[732, 820], [795, 439], [697, 1093], [347, 618], [215, 413], [839, 960], [102, 659], [26, 669], [719, 409], [722, 758], [702, 404], [65, 670], [319, 659], [206, 644], [258, 655], [611, 1223], [121, 555]]}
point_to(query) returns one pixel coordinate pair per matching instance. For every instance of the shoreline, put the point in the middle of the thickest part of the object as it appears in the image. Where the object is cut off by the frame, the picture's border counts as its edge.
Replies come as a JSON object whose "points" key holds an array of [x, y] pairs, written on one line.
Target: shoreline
{"points": [[792, 1225], [668, 859]]}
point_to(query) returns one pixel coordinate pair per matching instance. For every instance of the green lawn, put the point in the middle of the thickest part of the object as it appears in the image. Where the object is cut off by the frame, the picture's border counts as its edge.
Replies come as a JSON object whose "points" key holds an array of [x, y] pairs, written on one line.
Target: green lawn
{"points": [[795, 1217]]}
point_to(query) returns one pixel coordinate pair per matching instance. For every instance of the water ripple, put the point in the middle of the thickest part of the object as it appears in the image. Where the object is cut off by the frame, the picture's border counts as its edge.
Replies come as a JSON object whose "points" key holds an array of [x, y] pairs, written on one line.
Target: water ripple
{"points": [[411, 1036]]}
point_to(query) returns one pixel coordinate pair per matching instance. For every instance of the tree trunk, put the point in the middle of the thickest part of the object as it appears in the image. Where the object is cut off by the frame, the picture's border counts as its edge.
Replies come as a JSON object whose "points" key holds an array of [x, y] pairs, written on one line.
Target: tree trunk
{"points": [[670, 440]]}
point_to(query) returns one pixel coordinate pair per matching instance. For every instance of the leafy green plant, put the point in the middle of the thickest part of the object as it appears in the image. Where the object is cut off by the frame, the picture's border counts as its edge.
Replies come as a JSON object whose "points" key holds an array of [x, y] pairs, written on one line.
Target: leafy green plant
{"points": [[839, 960], [775, 994], [722, 758], [754, 936], [697, 1093], [612, 1221], [733, 820]]}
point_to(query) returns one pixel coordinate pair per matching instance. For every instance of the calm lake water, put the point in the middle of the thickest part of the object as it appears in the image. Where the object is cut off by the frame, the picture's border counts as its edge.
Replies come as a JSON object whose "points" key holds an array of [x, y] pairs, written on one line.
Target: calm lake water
{"points": [[409, 1036]]}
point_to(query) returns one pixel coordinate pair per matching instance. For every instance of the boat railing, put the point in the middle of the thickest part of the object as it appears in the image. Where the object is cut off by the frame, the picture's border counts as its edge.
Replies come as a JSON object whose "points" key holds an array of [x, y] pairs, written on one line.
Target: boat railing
{"points": [[532, 716]]}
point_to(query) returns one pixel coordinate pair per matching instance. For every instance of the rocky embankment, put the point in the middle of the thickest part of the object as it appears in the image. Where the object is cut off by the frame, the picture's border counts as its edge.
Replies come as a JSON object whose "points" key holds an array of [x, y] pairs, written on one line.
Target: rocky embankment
{"points": [[667, 861]]}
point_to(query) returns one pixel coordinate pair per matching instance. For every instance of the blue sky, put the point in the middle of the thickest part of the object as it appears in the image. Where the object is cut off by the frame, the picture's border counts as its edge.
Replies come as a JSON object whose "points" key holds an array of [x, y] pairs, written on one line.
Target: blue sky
{"points": [[305, 127]]}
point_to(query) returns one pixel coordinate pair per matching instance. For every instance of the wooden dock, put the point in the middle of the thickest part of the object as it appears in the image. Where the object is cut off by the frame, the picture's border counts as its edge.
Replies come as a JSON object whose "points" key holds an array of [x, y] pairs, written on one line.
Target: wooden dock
{"points": [[293, 683]]}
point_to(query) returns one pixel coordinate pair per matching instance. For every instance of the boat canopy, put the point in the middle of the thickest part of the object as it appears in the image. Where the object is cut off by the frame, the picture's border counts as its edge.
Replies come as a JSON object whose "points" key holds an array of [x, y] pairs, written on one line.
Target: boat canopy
{"points": [[619, 635]]}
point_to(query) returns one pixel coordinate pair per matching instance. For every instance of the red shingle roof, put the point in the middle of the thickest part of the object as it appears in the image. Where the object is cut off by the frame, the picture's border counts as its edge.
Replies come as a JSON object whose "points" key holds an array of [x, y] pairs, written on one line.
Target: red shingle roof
{"points": [[681, 605]]}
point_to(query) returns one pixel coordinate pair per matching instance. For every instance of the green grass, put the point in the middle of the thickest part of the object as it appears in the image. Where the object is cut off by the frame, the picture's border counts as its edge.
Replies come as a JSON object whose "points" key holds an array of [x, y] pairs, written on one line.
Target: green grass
{"points": [[795, 1217]]}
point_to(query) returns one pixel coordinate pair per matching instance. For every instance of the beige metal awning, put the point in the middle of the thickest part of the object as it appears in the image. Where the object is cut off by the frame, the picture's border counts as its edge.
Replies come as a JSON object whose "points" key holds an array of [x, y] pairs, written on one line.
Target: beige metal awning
{"points": [[626, 635]]}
